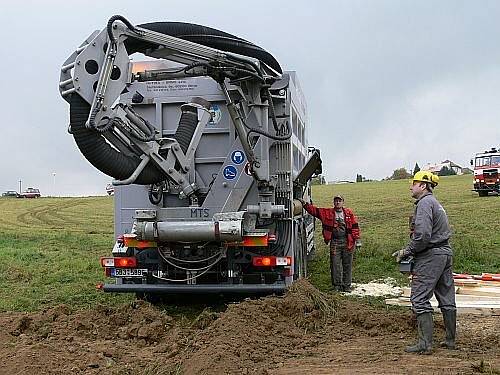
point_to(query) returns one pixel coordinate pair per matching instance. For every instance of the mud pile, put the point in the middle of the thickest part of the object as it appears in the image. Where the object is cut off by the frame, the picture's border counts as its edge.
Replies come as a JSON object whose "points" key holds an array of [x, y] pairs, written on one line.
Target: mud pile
{"points": [[304, 330], [257, 335], [104, 340], [261, 333], [136, 320]]}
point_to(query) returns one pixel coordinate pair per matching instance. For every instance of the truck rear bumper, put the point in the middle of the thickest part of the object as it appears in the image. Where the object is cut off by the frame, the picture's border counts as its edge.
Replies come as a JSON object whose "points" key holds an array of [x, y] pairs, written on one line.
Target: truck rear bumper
{"points": [[489, 187], [195, 289]]}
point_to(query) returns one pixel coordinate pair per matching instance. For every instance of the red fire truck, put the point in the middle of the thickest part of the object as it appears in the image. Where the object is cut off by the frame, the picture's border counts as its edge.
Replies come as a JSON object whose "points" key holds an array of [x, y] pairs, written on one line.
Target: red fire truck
{"points": [[486, 172]]}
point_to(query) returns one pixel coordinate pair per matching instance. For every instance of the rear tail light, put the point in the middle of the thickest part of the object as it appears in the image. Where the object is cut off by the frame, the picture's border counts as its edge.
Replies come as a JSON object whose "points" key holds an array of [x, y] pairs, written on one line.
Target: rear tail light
{"points": [[107, 262], [130, 240], [254, 241], [271, 261], [119, 262]]}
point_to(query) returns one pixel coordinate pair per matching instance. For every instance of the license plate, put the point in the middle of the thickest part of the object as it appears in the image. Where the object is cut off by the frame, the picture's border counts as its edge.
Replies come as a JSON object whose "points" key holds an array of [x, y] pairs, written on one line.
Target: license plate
{"points": [[280, 261], [128, 272]]}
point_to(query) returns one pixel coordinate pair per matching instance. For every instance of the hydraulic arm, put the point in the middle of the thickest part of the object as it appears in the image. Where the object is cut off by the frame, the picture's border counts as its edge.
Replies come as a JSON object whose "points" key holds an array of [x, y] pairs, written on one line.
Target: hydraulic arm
{"points": [[100, 70]]}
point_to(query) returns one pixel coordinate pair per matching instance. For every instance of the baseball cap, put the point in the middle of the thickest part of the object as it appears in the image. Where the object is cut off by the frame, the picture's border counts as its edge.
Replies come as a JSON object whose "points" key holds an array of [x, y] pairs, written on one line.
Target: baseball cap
{"points": [[338, 196]]}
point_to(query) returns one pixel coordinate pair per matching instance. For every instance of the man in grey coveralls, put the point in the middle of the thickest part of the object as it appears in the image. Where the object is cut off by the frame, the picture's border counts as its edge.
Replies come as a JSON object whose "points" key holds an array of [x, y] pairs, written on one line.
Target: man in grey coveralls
{"points": [[432, 271]]}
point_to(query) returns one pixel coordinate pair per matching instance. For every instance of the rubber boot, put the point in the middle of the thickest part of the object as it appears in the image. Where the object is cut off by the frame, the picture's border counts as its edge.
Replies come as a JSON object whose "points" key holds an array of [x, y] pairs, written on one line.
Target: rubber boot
{"points": [[450, 325], [425, 328]]}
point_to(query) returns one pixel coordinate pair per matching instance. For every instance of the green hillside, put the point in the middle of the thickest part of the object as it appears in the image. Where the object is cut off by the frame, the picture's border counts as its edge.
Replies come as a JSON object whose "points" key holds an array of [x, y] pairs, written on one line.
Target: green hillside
{"points": [[50, 247]]}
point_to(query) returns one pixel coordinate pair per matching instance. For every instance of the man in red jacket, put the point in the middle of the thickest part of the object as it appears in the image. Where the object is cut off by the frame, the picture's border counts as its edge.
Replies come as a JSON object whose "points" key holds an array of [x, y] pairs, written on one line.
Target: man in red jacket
{"points": [[341, 232]]}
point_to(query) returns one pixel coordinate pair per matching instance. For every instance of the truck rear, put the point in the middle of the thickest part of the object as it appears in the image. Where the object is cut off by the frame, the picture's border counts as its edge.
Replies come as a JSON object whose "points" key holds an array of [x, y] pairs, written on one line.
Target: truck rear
{"points": [[207, 145]]}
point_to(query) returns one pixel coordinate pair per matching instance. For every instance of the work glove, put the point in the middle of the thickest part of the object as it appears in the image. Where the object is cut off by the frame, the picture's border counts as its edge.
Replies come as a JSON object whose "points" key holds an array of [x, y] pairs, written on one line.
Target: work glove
{"points": [[400, 255], [358, 244]]}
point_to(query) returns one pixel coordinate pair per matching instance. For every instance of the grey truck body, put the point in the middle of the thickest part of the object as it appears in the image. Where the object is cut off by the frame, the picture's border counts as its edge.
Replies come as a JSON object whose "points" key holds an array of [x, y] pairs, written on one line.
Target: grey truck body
{"points": [[208, 149]]}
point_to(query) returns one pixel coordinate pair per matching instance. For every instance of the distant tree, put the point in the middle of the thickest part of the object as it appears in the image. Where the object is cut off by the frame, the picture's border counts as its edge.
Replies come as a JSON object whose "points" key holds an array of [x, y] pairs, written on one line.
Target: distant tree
{"points": [[416, 168], [359, 178], [467, 171], [318, 180], [445, 171], [400, 174]]}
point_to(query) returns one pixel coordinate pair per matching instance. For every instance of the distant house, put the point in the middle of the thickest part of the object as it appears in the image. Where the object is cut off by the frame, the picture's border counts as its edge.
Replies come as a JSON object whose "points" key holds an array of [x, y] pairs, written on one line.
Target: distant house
{"points": [[336, 182], [435, 168]]}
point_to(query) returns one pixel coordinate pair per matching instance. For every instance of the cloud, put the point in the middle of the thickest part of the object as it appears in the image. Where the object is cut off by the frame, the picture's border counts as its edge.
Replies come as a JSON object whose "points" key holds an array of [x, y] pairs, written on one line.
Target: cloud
{"points": [[448, 119]]}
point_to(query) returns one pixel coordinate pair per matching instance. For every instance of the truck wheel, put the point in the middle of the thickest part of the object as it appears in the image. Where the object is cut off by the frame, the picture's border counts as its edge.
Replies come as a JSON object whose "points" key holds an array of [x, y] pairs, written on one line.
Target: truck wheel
{"points": [[483, 193]]}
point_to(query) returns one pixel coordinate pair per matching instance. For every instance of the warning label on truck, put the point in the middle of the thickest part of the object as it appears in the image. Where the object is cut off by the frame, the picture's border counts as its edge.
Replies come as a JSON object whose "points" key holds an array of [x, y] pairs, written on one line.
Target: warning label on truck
{"points": [[170, 86]]}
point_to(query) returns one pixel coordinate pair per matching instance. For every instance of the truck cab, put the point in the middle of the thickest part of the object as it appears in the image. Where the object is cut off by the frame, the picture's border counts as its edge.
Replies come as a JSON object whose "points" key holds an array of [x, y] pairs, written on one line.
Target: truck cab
{"points": [[486, 172]]}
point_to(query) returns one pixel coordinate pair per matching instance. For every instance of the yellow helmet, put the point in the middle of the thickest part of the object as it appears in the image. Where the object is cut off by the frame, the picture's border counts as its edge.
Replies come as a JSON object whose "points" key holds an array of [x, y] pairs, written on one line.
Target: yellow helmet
{"points": [[426, 176]]}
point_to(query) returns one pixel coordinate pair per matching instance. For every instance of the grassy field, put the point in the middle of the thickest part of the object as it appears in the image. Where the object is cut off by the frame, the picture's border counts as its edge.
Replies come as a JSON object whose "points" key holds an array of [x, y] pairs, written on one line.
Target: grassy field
{"points": [[50, 247]]}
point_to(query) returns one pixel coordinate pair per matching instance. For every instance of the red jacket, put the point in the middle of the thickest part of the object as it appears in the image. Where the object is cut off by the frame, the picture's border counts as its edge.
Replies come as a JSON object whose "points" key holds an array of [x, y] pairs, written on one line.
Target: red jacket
{"points": [[327, 217]]}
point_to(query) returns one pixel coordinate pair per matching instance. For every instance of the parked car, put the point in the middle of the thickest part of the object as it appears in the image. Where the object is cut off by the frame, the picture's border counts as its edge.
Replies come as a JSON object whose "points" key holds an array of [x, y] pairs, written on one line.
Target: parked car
{"points": [[10, 193], [110, 189], [30, 193]]}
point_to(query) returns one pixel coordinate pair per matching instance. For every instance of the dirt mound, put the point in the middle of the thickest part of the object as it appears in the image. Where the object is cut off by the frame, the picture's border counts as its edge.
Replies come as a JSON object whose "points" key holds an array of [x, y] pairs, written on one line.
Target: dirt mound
{"points": [[355, 315], [104, 340], [304, 331], [255, 334], [134, 320]]}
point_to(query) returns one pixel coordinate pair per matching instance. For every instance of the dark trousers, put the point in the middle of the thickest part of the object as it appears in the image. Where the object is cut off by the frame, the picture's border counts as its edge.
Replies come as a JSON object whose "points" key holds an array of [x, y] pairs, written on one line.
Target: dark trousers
{"points": [[340, 266], [432, 274]]}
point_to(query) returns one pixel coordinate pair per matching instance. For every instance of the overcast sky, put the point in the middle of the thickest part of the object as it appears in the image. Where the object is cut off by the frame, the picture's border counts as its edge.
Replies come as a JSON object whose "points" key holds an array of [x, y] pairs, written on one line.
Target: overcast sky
{"points": [[388, 83]]}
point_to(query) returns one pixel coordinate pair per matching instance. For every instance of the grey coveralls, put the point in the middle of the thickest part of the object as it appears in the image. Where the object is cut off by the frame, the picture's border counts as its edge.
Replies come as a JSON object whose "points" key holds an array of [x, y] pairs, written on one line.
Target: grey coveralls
{"points": [[433, 256]]}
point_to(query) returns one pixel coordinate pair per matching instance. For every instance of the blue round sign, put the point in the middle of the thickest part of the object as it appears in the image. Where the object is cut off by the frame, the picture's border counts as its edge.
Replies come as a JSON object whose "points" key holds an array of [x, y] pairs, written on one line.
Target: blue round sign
{"points": [[230, 172], [238, 157]]}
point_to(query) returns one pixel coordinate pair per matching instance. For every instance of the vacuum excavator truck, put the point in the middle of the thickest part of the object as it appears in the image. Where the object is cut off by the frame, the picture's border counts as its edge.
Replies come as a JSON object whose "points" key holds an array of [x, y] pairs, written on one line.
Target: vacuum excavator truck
{"points": [[205, 138]]}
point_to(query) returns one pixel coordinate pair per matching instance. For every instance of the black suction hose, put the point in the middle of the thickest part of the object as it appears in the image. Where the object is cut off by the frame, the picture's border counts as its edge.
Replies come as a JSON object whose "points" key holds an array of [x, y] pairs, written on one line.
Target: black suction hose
{"points": [[187, 126], [100, 154], [115, 164], [206, 36]]}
